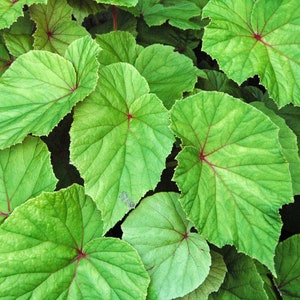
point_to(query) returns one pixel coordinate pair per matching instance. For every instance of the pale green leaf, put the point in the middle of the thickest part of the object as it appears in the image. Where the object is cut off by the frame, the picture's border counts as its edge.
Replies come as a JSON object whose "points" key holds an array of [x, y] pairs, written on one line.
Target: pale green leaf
{"points": [[55, 28], [40, 88], [127, 3], [231, 172], [177, 260], [287, 264], [29, 160], [288, 142], [213, 281], [10, 10], [168, 73], [119, 141], [242, 280], [51, 248], [118, 46], [257, 37]]}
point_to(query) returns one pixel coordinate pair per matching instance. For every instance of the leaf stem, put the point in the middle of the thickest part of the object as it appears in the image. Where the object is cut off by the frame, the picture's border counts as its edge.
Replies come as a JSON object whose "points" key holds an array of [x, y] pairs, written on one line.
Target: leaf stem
{"points": [[115, 17]]}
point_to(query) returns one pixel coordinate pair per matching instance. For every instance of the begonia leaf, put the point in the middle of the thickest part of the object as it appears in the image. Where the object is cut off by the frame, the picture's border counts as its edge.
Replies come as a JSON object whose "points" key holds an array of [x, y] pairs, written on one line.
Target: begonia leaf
{"points": [[55, 28], [177, 260], [287, 264], [231, 172], [257, 37], [242, 280], [52, 248], [127, 3], [5, 59], [10, 10], [120, 140], [31, 159], [40, 88], [213, 281]]}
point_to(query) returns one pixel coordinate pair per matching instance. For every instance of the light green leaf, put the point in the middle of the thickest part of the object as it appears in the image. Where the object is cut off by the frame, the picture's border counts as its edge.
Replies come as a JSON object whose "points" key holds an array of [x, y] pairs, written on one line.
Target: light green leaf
{"points": [[30, 160], [55, 28], [257, 37], [288, 142], [10, 10], [177, 260], [53, 244], [119, 2], [119, 141], [118, 46], [84, 8], [213, 281], [242, 280], [231, 172], [184, 14], [18, 39], [168, 73], [287, 264], [40, 88]]}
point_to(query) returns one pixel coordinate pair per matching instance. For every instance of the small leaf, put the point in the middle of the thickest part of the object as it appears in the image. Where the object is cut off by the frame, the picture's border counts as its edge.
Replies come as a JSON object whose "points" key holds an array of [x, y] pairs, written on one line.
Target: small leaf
{"points": [[119, 2], [232, 185], [120, 140], [242, 280], [10, 10], [168, 73], [40, 88], [287, 264], [257, 37], [18, 163], [213, 281], [53, 244], [55, 28], [177, 260]]}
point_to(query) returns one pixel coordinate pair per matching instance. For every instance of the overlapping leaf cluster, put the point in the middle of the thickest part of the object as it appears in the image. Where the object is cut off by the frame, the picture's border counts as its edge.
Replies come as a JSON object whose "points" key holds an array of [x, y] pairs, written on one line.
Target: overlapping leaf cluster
{"points": [[121, 105]]}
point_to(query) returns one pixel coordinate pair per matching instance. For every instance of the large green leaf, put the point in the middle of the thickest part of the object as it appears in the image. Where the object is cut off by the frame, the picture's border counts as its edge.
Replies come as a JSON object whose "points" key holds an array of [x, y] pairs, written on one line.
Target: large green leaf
{"points": [[25, 171], [40, 88], [213, 281], [51, 248], [242, 280], [288, 142], [257, 37], [119, 141], [184, 14], [231, 172], [168, 73], [55, 28], [10, 10], [287, 263], [177, 260]]}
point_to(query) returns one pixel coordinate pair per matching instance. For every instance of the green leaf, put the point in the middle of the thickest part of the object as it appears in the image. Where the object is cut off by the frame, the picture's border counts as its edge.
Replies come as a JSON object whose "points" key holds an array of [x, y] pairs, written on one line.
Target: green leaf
{"points": [[242, 280], [231, 172], [287, 264], [5, 59], [184, 14], [41, 87], [55, 28], [288, 142], [53, 244], [257, 37], [18, 163], [119, 2], [119, 141], [177, 260], [18, 39], [10, 10], [213, 281], [168, 73], [118, 46]]}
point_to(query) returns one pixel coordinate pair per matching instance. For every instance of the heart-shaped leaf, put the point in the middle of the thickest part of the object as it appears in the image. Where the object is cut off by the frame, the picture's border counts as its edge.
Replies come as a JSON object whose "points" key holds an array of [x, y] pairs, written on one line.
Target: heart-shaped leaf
{"points": [[31, 159], [53, 244], [120, 140], [257, 37], [232, 185], [177, 260], [40, 88]]}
